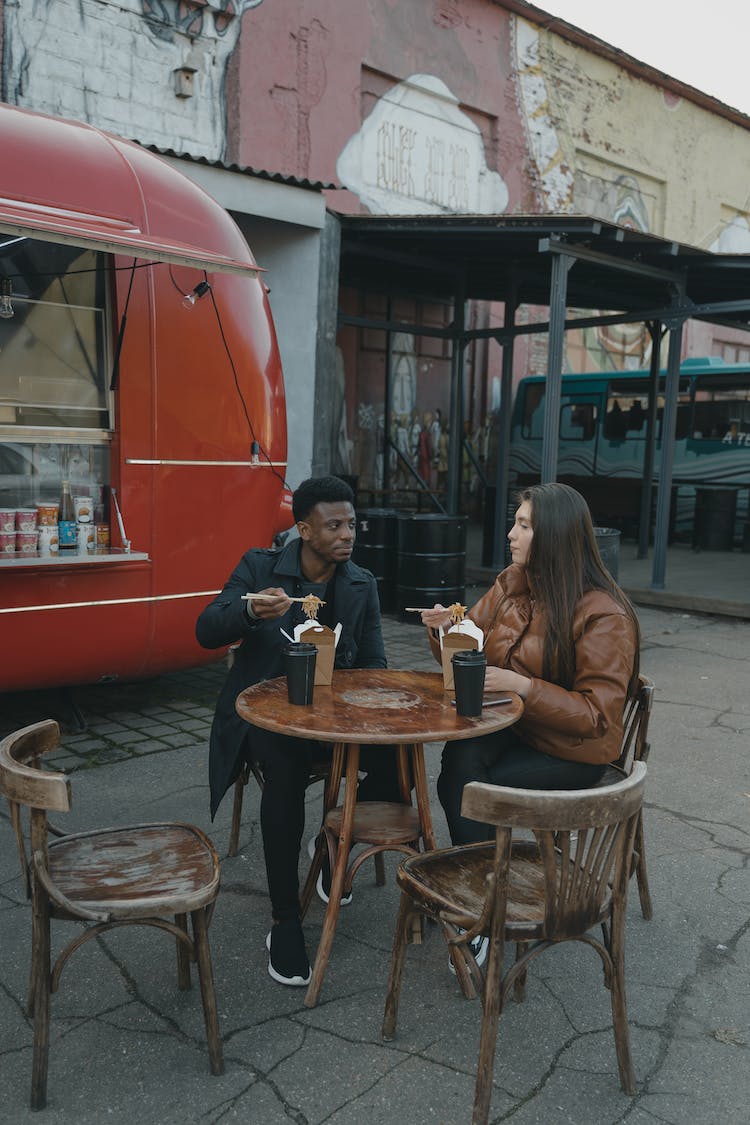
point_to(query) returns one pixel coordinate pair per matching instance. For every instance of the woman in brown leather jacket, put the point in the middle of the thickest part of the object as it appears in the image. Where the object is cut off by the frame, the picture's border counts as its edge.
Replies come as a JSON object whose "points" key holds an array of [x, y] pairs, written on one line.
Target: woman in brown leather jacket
{"points": [[562, 634]]}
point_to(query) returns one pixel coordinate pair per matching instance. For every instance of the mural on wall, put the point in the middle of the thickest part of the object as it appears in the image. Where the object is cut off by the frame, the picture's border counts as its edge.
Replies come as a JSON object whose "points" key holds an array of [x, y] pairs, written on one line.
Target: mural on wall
{"points": [[150, 70], [734, 238], [417, 153]]}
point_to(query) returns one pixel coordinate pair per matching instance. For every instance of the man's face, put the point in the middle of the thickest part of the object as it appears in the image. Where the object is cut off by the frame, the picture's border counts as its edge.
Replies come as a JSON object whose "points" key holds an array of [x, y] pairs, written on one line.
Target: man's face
{"points": [[329, 531]]}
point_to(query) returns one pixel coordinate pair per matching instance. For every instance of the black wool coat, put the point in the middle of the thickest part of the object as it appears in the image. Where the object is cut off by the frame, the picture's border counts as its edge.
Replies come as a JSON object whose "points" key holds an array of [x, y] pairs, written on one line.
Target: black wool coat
{"points": [[260, 654]]}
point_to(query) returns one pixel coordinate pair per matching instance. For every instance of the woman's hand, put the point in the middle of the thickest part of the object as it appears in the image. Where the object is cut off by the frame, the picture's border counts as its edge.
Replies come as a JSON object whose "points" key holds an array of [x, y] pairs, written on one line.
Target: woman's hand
{"points": [[503, 679], [436, 617]]}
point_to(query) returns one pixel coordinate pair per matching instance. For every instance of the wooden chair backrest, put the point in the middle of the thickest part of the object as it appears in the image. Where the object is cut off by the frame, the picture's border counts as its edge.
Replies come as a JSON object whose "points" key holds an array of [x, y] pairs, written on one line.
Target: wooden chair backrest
{"points": [[584, 837], [26, 784], [23, 782], [635, 747]]}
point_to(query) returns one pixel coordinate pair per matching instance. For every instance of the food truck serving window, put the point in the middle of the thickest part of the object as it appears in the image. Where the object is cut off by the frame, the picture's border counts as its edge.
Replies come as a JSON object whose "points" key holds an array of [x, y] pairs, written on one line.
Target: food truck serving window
{"points": [[54, 372]]}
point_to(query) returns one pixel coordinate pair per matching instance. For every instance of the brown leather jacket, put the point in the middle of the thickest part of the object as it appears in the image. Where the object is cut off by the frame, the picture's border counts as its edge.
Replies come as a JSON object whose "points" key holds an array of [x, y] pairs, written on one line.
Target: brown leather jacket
{"points": [[582, 725]]}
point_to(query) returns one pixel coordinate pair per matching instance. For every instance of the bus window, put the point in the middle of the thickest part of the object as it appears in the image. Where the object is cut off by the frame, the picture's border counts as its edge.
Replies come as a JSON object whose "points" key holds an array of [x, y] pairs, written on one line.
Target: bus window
{"points": [[627, 410], [532, 422], [721, 409], [578, 421]]}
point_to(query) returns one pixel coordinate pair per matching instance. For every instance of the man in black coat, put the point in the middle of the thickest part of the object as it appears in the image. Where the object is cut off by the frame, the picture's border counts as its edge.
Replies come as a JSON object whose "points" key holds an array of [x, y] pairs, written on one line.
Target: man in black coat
{"points": [[317, 563]]}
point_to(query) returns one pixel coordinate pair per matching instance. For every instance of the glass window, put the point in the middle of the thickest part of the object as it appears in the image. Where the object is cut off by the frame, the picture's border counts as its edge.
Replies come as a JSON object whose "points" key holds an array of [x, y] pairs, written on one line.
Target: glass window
{"points": [[627, 408], [578, 421], [55, 404], [722, 407], [532, 422]]}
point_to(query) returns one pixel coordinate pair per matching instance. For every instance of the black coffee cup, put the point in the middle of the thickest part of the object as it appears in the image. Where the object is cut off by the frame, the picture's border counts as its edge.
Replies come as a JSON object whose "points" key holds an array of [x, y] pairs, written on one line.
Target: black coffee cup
{"points": [[469, 667], [299, 660]]}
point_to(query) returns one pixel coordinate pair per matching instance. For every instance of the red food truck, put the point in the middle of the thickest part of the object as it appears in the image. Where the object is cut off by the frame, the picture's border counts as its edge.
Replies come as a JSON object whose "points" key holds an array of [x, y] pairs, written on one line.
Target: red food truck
{"points": [[140, 375]]}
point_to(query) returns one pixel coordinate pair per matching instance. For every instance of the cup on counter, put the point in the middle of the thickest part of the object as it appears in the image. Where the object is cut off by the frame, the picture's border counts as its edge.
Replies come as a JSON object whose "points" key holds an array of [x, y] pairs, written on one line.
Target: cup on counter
{"points": [[299, 662], [7, 519], [27, 542], [26, 519], [84, 509], [47, 512], [48, 541], [102, 536], [469, 667], [7, 542]]}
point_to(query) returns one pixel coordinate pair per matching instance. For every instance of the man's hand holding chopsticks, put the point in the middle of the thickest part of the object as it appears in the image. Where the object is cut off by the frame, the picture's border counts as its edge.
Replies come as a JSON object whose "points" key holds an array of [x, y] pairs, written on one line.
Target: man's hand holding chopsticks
{"points": [[271, 603]]}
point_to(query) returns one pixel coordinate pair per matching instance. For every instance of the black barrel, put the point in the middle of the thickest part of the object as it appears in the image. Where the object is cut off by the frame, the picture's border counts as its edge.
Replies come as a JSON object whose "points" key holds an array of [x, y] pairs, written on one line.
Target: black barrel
{"points": [[715, 512], [376, 548], [431, 562], [608, 542]]}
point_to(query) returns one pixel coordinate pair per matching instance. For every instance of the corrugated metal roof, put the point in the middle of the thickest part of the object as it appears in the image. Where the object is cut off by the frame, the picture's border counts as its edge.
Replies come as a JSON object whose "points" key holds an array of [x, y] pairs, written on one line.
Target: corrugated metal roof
{"points": [[497, 257], [245, 170]]}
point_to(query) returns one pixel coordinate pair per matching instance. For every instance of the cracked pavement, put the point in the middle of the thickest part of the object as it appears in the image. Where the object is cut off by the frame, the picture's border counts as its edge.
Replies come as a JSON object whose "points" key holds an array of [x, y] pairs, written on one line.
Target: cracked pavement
{"points": [[128, 1047]]}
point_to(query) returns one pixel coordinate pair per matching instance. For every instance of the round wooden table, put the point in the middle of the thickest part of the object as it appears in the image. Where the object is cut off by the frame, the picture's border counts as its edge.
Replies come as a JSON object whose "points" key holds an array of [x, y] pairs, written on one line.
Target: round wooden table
{"points": [[372, 706]]}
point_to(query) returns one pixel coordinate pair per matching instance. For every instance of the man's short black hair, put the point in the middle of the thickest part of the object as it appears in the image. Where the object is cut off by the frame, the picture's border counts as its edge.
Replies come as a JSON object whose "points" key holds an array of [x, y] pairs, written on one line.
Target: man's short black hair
{"points": [[319, 490]]}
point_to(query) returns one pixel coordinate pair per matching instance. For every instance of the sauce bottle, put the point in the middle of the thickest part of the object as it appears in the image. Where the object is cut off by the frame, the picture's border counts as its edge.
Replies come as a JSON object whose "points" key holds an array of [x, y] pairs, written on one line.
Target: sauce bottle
{"points": [[67, 520]]}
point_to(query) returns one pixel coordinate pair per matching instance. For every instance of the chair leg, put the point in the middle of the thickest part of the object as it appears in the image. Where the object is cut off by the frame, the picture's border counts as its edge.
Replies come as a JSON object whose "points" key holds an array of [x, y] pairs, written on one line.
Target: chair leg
{"points": [[619, 1007], [488, 1035], [519, 985], [398, 954], [234, 832], [183, 959], [208, 994], [379, 870], [40, 995], [641, 872]]}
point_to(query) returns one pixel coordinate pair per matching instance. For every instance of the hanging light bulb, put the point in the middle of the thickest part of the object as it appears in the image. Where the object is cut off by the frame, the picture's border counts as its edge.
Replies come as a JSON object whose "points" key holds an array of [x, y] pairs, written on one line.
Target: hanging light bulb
{"points": [[190, 298], [254, 453], [6, 291]]}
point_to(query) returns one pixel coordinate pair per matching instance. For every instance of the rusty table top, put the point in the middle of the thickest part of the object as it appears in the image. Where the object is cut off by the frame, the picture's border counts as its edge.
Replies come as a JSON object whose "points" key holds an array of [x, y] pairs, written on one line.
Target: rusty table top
{"points": [[373, 705]]}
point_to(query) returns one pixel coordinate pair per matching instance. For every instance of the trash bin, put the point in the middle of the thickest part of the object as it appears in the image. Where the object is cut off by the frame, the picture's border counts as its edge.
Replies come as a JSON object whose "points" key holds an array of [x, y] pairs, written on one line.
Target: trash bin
{"points": [[608, 542], [376, 548], [431, 562], [715, 513]]}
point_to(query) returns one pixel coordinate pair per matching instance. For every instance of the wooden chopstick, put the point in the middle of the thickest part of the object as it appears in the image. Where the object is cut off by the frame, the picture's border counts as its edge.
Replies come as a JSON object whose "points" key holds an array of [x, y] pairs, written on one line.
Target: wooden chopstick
{"points": [[415, 609], [268, 598]]}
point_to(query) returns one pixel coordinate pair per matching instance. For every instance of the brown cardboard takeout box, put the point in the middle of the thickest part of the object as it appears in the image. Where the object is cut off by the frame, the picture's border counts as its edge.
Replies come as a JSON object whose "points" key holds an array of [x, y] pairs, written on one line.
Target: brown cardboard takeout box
{"points": [[454, 642], [324, 640]]}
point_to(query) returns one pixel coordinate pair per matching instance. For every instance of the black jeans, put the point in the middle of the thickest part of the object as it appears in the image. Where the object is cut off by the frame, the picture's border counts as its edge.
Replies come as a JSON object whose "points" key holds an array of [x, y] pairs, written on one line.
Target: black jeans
{"points": [[286, 767], [501, 759]]}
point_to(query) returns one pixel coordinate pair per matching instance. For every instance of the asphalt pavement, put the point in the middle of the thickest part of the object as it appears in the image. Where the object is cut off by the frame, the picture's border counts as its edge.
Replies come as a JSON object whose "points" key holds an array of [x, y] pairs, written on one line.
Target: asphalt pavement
{"points": [[128, 1048]]}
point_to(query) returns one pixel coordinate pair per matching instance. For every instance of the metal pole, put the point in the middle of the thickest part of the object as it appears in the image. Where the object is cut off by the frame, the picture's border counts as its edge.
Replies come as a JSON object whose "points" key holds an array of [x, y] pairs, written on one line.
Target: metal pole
{"points": [[557, 299], [668, 425], [644, 526], [503, 436], [387, 401], [456, 421]]}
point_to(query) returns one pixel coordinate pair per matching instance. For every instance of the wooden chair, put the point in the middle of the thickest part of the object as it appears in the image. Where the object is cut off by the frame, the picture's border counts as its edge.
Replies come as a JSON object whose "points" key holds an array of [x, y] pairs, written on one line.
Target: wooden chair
{"points": [[111, 877], [571, 878], [636, 748]]}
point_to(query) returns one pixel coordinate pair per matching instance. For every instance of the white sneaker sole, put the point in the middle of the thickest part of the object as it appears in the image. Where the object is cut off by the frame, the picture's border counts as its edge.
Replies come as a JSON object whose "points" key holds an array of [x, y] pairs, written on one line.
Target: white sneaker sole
{"points": [[347, 898], [294, 982]]}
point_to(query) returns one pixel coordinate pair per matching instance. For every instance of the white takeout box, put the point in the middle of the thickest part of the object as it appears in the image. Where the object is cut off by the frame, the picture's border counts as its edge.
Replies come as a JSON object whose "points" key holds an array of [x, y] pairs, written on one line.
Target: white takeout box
{"points": [[459, 637], [325, 640]]}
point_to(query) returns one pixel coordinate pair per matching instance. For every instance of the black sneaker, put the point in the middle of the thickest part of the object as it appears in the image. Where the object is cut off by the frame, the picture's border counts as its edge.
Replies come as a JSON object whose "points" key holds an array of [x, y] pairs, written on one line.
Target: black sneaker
{"points": [[323, 885], [288, 963]]}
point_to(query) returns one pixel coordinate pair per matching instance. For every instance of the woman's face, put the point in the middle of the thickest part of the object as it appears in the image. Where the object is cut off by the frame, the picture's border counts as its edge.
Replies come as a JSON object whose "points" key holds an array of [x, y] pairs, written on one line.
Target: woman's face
{"points": [[521, 534]]}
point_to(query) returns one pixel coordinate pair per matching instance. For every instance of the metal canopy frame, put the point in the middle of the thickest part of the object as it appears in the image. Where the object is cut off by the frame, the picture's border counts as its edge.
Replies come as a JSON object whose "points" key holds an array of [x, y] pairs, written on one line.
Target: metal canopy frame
{"points": [[557, 261]]}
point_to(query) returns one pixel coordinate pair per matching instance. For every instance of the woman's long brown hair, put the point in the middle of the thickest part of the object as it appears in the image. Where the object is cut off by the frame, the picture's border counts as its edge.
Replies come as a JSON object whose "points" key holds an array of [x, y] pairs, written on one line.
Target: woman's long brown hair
{"points": [[563, 563]]}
